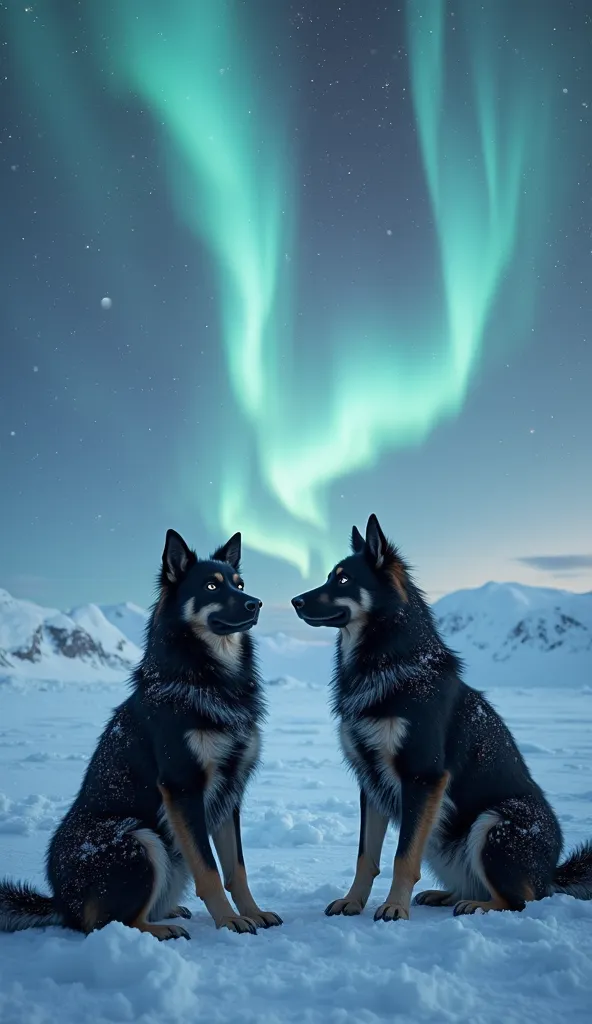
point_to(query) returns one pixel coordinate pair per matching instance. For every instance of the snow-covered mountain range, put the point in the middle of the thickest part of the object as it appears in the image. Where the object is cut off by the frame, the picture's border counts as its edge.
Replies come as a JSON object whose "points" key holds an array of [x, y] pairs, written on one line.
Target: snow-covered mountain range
{"points": [[515, 635], [504, 618], [84, 643], [505, 632]]}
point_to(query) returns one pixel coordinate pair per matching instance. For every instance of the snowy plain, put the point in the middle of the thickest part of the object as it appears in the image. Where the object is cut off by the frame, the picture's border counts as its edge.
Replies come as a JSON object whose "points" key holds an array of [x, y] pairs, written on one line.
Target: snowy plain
{"points": [[300, 838]]}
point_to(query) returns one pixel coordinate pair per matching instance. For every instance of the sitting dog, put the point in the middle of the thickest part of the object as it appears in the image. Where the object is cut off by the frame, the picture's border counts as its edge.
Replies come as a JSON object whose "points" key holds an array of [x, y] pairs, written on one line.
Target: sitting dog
{"points": [[169, 770], [430, 753]]}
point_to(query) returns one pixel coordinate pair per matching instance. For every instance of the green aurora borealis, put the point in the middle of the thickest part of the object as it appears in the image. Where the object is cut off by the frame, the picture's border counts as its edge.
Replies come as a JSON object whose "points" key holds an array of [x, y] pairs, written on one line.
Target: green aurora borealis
{"points": [[481, 131], [307, 412]]}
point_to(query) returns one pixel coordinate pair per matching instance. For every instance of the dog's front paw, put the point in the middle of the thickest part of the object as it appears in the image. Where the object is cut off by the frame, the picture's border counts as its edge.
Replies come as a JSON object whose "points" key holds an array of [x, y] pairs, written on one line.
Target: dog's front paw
{"points": [[237, 923], [345, 906], [266, 919], [391, 912]]}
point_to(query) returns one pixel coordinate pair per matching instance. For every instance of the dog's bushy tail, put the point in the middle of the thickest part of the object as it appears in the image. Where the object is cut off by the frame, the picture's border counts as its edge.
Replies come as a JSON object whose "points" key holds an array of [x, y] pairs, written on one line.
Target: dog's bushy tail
{"points": [[21, 907], [574, 876]]}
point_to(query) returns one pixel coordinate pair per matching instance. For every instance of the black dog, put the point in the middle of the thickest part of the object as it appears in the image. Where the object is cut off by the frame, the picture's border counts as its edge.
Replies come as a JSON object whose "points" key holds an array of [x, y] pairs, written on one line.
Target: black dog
{"points": [[430, 753], [170, 769]]}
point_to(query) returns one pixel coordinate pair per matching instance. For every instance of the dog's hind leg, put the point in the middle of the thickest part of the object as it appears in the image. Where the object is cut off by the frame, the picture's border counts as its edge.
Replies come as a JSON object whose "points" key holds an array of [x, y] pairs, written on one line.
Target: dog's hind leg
{"points": [[169, 905], [513, 850], [159, 862], [373, 826], [118, 874], [227, 841], [163, 869]]}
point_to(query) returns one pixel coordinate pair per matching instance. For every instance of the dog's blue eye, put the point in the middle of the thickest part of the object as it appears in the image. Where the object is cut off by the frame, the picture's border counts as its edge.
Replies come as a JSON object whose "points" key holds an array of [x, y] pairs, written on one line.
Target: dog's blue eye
{"points": [[212, 586], [343, 579], [241, 586]]}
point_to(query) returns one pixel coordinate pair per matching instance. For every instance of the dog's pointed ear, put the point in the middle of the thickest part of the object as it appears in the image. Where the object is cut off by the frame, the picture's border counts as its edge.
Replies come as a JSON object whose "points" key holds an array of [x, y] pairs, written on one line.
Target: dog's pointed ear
{"points": [[357, 541], [230, 552], [177, 558], [376, 541]]}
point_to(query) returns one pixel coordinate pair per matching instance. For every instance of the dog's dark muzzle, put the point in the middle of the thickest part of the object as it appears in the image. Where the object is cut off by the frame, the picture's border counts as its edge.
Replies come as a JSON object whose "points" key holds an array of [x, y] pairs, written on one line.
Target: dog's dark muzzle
{"points": [[249, 617], [314, 615]]}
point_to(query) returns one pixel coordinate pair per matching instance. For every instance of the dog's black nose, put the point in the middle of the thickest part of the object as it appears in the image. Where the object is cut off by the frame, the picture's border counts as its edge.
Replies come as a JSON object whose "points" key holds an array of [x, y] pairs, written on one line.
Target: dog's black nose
{"points": [[253, 606], [298, 602]]}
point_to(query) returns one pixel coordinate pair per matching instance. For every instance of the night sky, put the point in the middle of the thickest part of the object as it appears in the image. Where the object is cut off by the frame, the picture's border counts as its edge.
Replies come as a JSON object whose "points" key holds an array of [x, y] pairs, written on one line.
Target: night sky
{"points": [[272, 266]]}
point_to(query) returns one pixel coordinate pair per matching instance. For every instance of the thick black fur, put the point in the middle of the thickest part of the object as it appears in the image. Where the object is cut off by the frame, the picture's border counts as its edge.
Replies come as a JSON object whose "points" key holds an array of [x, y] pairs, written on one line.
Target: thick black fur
{"points": [[412, 730], [117, 856]]}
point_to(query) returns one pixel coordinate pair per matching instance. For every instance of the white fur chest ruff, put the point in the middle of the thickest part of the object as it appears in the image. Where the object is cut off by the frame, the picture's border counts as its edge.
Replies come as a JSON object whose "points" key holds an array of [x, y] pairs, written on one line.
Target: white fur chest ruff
{"points": [[212, 750], [370, 746]]}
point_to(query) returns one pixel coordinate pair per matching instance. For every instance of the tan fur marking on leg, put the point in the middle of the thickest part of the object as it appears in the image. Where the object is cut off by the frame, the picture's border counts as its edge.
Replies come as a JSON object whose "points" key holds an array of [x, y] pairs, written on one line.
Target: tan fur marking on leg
{"points": [[407, 869], [209, 888], [366, 871], [183, 835], [235, 878], [411, 863], [470, 906], [225, 843], [495, 902], [208, 885], [242, 896], [207, 880], [367, 867], [356, 899], [91, 911], [528, 894]]}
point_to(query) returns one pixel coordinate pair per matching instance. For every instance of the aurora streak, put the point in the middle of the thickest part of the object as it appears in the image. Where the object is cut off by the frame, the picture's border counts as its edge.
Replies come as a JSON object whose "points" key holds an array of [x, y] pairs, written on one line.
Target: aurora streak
{"points": [[382, 395], [385, 397], [372, 385]]}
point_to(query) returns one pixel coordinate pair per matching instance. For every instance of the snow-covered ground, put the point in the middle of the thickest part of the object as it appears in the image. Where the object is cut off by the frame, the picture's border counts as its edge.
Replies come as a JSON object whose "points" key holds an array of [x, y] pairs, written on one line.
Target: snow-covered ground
{"points": [[60, 675], [300, 838]]}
